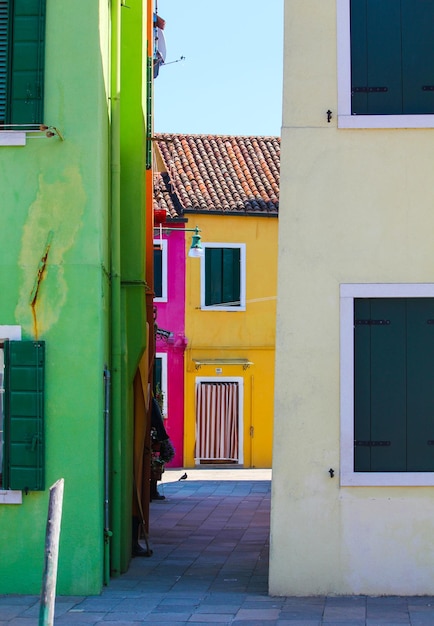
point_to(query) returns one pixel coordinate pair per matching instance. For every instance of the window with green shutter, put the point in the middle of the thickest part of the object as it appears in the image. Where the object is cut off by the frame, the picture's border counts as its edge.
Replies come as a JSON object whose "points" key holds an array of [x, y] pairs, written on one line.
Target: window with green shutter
{"points": [[224, 277], [23, 407], [393, 384], [392, 57], [22, 33]]}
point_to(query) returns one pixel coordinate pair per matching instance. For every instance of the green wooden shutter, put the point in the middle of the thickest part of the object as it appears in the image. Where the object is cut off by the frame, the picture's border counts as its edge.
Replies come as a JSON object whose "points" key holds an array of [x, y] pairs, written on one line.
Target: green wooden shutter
{"points": [[213, 276], [222, 276], [158, 272], [4, 56], [380, 385], [420, 386], [26, 82], [376, 57], [418, 56], [24, 448], [393, 385], [362, 385]]}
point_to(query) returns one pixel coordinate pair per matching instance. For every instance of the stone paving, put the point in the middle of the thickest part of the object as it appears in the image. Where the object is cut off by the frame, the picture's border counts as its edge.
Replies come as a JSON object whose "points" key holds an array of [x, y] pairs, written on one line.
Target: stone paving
{"points": [[210, 566]]}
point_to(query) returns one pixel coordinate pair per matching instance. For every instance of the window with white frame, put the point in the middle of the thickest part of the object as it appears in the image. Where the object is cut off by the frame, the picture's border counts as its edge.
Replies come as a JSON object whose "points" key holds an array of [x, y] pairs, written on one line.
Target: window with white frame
{"points": [[223, 277], [387, 394], [385, 61], [160, 378], [160, 270]]}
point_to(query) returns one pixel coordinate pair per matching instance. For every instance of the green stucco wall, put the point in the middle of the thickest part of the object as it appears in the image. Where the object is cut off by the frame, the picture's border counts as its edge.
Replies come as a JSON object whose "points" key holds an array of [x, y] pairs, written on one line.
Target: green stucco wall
{"points": [[58, 191]]}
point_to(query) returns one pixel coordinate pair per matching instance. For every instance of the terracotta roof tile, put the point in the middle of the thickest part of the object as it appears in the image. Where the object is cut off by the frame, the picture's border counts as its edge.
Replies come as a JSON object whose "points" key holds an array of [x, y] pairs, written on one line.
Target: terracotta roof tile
{"points": [[217, 173]]}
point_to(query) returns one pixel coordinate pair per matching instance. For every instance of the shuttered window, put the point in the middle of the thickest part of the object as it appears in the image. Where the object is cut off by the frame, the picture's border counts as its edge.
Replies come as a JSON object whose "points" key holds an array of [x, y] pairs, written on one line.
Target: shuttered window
{"points": [[22, 31], [24, 447], [222, 277], [392, 57], [393, 385]]}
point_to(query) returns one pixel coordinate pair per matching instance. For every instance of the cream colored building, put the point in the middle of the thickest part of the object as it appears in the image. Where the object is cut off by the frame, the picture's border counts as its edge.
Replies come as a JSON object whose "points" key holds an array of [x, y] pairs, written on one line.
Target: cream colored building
{"points": [[353, 456]]}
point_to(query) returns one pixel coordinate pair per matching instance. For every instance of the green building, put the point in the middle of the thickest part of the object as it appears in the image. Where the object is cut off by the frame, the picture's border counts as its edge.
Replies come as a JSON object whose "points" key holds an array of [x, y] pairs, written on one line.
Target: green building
{"points": [[74, 89]]}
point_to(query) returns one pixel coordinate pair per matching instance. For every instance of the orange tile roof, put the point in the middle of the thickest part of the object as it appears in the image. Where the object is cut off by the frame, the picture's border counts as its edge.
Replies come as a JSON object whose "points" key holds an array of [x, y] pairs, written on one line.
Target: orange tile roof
{"points": [[218, 173]]}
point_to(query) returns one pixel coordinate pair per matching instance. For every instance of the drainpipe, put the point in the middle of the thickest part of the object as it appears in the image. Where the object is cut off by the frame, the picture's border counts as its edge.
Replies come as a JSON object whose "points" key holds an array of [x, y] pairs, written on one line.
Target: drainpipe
{"points": [[115, 271], [107, 532]]}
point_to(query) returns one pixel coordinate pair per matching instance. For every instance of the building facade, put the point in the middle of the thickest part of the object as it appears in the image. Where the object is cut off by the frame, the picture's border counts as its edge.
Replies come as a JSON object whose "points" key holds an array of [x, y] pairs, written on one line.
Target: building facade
{"points": [[72, 314], [227, 188], [353, 460]]}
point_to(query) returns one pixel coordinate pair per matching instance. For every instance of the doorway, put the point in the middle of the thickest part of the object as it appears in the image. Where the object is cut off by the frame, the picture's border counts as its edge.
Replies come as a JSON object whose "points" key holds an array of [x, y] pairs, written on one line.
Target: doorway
{"points": [[219, 421]]}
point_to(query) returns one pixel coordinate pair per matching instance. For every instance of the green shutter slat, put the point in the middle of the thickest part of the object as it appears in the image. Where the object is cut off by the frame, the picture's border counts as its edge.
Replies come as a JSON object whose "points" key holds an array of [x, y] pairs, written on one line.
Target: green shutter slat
{"points": [[27, 72], [376, 64], [362, 385], [418, 56], [24, 446], [158, 272], [420, 388]]}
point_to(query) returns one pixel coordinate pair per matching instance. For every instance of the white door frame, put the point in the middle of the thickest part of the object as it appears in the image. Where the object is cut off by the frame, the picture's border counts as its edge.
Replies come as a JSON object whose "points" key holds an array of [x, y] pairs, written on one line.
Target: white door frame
{"points": [[228, 379]]}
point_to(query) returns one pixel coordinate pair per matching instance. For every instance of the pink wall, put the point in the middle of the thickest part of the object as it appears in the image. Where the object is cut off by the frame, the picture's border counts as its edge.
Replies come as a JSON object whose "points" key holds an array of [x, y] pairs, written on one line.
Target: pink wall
{"points": [[171, 317]]}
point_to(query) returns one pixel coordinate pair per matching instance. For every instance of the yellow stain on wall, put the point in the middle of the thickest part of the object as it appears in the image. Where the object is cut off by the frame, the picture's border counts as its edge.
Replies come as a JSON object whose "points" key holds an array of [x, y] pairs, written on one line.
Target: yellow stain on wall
{"points": [[57, 209]]}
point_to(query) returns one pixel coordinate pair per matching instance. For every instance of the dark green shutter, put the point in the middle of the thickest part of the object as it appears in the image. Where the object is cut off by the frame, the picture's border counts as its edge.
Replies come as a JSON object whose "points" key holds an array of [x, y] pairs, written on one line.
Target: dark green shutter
{"points": [[392, 57], [24, 447], [222, 276], [376, 57], [393, 385], [213, 276], [158, 272], [4, 56], [418, 56], [26, 63], [420, 385]]}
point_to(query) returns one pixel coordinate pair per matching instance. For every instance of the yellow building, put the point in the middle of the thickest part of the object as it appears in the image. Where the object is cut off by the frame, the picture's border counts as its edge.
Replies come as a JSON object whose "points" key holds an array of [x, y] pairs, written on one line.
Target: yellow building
{"points": [[353, 455], [227, 187]]}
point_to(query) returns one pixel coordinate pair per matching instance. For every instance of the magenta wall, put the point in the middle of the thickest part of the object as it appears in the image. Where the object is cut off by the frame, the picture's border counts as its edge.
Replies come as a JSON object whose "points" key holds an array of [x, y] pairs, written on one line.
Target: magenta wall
{"points": [[171, 317]]}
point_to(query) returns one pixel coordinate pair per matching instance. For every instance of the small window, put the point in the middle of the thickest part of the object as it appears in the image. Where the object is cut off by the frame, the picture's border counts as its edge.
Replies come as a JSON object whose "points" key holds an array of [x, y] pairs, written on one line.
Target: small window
{"points": [[387, 395], [22, 32], [160, 378], [160, 270], [223, 277], [385, 60]]}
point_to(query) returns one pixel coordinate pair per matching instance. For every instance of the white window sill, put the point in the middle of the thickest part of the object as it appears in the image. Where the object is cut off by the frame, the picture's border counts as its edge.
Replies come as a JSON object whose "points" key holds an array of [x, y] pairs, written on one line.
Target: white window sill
{"points": [[223, 308], [11, 497], [12, 138], [385, 121]]}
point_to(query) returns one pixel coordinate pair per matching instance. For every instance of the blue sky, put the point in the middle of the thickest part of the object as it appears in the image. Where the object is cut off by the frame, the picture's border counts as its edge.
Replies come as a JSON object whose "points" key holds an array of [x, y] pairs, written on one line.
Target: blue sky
{"points": [[230, 82]]}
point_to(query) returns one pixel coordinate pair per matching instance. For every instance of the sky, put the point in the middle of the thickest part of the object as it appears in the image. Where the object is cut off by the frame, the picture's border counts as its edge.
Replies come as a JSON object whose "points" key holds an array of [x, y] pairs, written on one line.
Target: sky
{"points": [[230, 82]]}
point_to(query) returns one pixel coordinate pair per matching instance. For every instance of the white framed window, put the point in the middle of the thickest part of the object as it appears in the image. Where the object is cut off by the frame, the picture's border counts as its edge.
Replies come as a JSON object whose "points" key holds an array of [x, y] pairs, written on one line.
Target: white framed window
{"points": [[160, 377], [416, 70], [403, 295], [160, 270], [223, 277]]}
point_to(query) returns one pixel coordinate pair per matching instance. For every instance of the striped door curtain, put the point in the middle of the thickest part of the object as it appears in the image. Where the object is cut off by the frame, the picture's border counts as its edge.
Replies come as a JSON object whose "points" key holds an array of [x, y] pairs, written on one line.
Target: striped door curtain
{"points": [[217, 422]]}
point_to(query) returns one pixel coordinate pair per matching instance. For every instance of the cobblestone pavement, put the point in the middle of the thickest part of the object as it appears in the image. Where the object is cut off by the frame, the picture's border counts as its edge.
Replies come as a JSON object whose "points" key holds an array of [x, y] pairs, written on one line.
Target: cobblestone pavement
{"points": [[209, 538]]}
